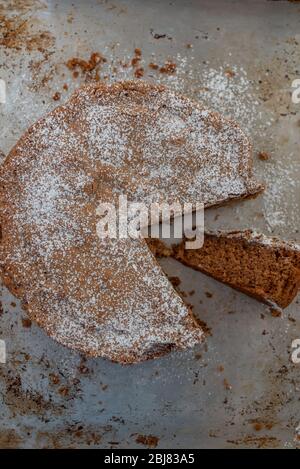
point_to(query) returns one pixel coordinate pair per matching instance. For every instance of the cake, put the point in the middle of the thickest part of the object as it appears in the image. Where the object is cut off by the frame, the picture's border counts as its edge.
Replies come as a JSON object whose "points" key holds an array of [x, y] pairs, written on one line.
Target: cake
{"points": [[265, 268], [108, 297]]}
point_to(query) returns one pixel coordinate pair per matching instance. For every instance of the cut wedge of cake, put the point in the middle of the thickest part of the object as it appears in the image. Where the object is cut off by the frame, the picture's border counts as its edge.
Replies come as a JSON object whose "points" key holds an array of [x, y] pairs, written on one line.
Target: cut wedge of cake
{"points": [[108, 297], [267, 269]]}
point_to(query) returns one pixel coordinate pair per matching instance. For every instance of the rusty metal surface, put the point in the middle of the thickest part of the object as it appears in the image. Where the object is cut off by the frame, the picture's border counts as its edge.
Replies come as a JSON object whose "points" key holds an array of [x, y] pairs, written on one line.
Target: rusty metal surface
{"points": [[240, 389]]}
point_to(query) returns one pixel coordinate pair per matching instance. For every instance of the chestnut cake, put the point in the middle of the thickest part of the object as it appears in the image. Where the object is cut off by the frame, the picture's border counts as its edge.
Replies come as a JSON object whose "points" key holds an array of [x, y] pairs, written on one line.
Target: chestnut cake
{"points": [[267, 269], [108, 297]]}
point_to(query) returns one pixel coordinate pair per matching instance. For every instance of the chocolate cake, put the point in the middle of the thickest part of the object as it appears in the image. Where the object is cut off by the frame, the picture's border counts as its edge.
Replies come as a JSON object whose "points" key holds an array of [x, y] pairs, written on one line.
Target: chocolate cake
{"points": [[108, 297], [266, 268]]}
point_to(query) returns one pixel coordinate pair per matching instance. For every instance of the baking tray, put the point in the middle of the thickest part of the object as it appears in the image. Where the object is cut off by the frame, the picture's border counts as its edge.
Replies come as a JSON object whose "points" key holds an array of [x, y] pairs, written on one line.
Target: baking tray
{"points": [[239, 389]]}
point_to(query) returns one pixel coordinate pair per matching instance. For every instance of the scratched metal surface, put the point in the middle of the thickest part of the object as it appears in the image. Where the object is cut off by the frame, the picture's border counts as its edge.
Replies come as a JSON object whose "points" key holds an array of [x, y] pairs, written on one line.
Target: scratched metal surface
{"points": [[240, 389]]}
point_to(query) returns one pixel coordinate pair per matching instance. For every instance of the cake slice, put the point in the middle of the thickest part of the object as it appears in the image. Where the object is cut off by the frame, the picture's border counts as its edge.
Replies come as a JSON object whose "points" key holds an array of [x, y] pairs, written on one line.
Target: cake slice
{"points": [[267, 269]]}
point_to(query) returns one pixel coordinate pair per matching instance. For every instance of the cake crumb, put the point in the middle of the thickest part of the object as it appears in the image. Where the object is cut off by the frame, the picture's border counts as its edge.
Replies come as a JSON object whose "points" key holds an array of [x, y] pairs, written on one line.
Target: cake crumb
{"points": [[153, 66], [83, 369], [139, 72], [275, 313], [227, 385], [26, 322], [175, 281], [135, 61], [54, 379], [229, 73], [64, 391], [147, 440], [264, 156], [56, 96], [169, 68]]}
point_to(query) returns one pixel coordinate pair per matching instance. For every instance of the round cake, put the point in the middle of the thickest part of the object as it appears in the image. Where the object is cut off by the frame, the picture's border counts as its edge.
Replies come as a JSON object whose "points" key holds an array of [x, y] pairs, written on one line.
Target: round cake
{"points": [[108, 297]]}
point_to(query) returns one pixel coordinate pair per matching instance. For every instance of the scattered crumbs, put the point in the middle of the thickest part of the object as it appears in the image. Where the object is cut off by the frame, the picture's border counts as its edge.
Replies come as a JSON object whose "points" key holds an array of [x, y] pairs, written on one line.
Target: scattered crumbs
{"points": [[147, 440], [257, 426], [198, 356], [208, 294], [291, 319], [221, 368], [139, 72], [192, 292], [159, 35], [104, 387], [189, 46], [137, 58], [17, 33], [64, 391], [26, 322], [83, 369], [65, 87], [175, 281], [54, 379], [13, 304], [135, 61], [153, 66], [56, 96], [262, 442], [263, 156], [90, 68], [227, 385], [1, 309], [229, 73], [169, 68], [204, 326], [275, 313]]}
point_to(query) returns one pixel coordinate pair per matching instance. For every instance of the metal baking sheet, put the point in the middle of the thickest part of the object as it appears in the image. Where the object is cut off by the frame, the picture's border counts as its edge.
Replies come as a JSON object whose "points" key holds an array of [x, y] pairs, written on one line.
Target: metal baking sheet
{"points": [[241, 388]]}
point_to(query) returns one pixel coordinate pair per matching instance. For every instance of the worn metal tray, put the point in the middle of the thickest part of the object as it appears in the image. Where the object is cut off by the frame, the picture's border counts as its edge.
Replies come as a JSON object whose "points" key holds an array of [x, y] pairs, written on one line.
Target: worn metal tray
{"points": [[241, 388]]}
